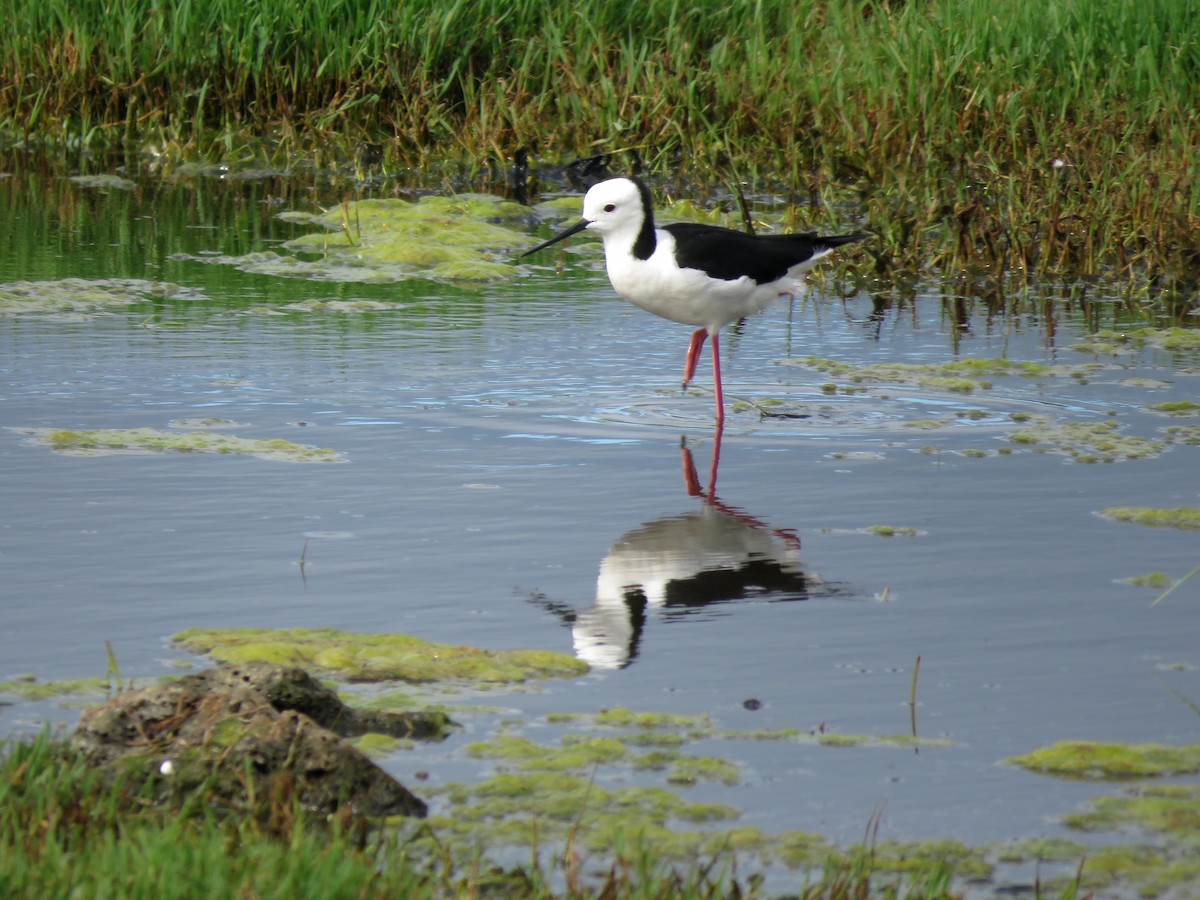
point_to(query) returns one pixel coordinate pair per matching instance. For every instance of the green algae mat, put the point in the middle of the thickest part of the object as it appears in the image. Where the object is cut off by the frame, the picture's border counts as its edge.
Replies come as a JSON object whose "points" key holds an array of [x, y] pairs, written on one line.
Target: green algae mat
{"points": [[1091, 759], [141, 441], [463, 238], [82, 298], [381, 657]]}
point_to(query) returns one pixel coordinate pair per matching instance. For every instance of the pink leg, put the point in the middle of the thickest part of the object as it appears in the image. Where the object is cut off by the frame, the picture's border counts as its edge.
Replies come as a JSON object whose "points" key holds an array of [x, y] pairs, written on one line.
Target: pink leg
{"points": [[693, 355], [716, 355]]}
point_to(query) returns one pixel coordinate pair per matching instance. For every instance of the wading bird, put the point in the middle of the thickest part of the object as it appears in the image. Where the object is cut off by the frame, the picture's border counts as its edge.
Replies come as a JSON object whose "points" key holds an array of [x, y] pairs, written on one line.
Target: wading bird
{"points": [[700, 275]]}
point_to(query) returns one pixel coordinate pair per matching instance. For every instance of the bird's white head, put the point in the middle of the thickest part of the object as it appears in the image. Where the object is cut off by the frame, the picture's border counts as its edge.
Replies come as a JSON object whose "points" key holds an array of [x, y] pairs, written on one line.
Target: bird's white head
{"points": [[618, 207], [615, 206]]}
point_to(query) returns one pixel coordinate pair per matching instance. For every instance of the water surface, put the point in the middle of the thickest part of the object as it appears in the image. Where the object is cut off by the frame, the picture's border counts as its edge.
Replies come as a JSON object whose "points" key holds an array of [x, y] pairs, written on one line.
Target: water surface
{"points": [[513, 465]]}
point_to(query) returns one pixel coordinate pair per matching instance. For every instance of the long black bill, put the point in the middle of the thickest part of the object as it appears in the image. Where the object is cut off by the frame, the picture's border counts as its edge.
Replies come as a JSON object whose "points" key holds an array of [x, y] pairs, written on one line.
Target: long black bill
{"points": [[561, 236]]}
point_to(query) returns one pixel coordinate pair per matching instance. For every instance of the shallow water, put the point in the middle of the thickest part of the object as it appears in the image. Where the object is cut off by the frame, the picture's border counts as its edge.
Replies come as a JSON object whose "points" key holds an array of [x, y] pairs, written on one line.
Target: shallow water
{"points": [[513, 460]]}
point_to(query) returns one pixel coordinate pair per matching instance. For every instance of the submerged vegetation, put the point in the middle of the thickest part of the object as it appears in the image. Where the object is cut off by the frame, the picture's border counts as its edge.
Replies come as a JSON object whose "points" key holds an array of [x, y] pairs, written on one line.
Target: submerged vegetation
{"points": [[1057, 139]]}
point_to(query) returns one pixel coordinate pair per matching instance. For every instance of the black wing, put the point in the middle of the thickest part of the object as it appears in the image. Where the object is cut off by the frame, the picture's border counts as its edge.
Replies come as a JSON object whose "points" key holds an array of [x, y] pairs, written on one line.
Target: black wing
{"points": [[727, 255]]}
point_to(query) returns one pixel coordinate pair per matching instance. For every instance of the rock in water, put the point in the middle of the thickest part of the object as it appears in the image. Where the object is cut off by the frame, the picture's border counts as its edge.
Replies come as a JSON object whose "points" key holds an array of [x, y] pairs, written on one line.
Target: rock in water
{"points": [[249, 732]]}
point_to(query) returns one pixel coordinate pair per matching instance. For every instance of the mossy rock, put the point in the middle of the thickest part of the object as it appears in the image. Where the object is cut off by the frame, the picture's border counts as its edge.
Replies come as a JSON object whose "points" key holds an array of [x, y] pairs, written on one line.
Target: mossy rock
{"points": [[230, 732]]}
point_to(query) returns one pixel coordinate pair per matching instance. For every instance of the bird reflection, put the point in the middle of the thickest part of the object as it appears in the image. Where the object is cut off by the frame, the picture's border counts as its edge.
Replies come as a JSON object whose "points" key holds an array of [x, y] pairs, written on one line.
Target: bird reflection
{"points": [[706, 555]]}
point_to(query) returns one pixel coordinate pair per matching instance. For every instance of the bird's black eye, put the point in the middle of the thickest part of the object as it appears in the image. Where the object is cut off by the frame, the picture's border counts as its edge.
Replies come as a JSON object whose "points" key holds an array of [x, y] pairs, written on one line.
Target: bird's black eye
{"points": [[610, 207]]}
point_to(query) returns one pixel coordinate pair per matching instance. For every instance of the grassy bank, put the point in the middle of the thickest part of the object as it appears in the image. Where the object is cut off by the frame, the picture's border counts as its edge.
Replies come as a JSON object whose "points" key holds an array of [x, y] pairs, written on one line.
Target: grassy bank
{"points": [[66, 832], [1061, 138]]}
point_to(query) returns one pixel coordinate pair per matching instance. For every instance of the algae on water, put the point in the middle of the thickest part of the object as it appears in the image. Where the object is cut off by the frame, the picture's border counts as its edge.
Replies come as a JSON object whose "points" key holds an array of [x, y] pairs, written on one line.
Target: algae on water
{"points": [[467, 237], [962, 376], [78, 296], [110, 441], [1183, 517], [1091, 759], [1086, 442], [32, 689], [381, 657]]}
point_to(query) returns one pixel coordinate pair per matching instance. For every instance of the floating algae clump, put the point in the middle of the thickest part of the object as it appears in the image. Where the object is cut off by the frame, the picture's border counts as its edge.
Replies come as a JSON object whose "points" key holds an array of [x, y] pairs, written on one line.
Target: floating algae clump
{"points": [[891, 531], [620, 717], [525, 754], [108, 441], [1176, 338], [1184, 517], [31, 689], [79, 296], [1168, 338], [449, 238], [512, 806], [380, 657], [1170, 868], [961, 376], [1177, 408], [1086, 442], [1088, 759], [1168, 809], [1156, 580]]}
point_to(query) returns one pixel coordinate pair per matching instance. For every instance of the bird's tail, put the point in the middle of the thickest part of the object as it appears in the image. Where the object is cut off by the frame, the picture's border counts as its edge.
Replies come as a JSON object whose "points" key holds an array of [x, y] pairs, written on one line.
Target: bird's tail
{"points": [[830, 241]]}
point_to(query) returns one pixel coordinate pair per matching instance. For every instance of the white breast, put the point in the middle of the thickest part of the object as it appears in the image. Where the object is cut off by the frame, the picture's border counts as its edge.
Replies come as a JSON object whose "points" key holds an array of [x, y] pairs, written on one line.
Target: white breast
{"points": [[688, 296]]}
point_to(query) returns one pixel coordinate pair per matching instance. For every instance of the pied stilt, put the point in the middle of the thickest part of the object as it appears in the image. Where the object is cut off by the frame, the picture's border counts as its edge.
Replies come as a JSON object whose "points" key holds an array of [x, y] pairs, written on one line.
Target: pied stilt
{"points": [[700, 275]]}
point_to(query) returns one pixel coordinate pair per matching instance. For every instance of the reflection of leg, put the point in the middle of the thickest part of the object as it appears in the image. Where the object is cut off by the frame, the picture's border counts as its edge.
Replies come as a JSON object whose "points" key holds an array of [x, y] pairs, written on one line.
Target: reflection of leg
{"points": [[691, 480], [716, 355], [693, 355], [716, 461]]}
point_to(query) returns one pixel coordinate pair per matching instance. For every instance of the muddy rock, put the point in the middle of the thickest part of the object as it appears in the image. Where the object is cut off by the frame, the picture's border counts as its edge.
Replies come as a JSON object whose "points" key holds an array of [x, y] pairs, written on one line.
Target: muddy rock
{"points": [[291, 687], [250, 735]]}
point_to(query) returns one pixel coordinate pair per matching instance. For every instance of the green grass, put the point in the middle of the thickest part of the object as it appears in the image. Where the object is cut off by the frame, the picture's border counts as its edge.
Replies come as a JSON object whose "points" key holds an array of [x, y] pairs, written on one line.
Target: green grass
{"points": [[937, 124], [66, 832]]}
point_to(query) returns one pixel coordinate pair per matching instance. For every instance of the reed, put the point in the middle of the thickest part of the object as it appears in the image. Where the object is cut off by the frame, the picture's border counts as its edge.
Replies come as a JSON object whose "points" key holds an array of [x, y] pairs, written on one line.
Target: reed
{"points": [[1057, 138]]}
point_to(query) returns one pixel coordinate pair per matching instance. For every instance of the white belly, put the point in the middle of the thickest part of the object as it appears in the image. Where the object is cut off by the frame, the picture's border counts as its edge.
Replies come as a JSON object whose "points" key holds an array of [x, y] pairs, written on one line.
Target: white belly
{"points": [[689, 296]]}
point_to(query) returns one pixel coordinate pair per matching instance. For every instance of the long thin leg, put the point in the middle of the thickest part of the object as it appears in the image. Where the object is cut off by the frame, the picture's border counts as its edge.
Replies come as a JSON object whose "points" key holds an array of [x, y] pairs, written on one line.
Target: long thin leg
{"points": [[693, 355], [716, 355]]}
